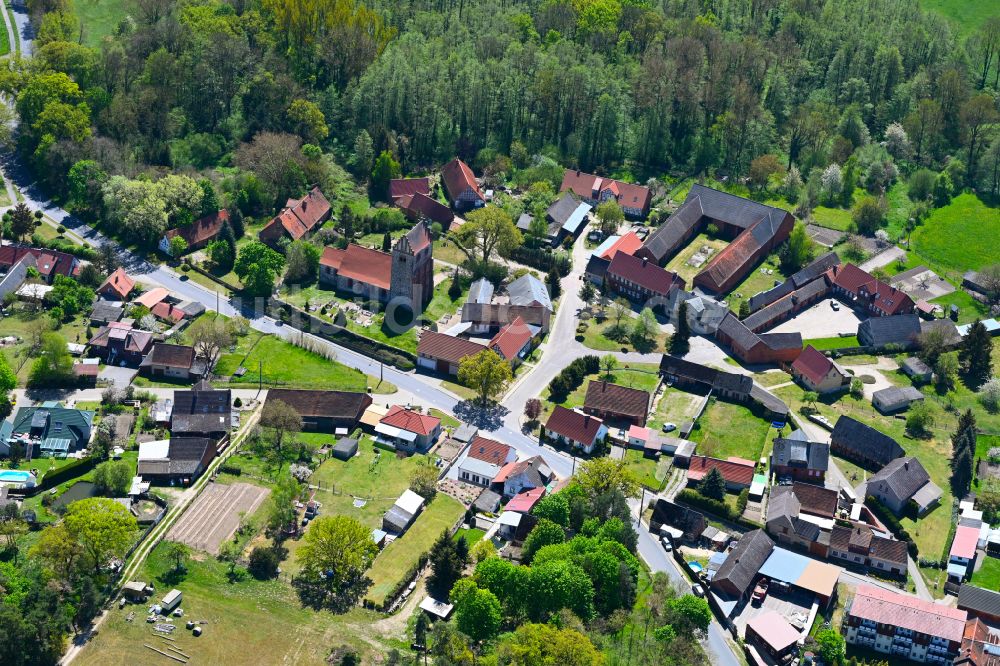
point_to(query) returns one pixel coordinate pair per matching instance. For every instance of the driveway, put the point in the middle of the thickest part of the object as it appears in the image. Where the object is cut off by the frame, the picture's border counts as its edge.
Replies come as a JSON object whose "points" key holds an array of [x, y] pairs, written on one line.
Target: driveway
{"points": [[117, 377], [821, 321], [883, 258]]}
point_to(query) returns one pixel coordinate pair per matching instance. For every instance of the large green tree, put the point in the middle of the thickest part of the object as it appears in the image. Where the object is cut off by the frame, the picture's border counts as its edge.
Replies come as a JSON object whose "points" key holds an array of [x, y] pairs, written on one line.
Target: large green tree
{"points": [[486, 373], [258, 267], [104, 528]]}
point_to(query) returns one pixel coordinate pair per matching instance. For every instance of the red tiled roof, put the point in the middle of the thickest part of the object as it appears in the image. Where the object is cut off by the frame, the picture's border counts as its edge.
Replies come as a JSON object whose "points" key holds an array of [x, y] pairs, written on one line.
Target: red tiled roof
{"points": [[578, 427], [524, 502], [152, 297], [444, 347], [406, 419], [332, 257], [419, 237], [604, 396], [902, 610], [408, 186], [168, 311], [174, 356], [299, 217], [891, 300], [731, 470], [419, 204], [366, 265], [118, 283], [628, 244], [851, 278], [812, 364], [458, 177], [48, 261], [201, 231], [644, 273], [511, 339], [489, 450], [588, 185]]}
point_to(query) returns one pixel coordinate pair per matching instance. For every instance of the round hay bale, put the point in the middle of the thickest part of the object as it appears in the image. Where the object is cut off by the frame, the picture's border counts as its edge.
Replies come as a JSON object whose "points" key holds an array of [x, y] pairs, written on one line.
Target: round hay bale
{"points": [[190, 625], [197, 631]]}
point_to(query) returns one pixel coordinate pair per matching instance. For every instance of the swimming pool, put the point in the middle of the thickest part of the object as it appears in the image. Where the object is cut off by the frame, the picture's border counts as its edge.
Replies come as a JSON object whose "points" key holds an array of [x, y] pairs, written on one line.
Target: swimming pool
{"points": [[695, 566], [17, 476]]}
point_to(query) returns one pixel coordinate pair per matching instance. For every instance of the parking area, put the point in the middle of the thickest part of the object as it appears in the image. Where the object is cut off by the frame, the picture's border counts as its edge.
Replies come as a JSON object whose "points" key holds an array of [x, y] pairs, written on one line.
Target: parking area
{"points": [[823, 236], [922, 284], [793, 604], [821, 321]]}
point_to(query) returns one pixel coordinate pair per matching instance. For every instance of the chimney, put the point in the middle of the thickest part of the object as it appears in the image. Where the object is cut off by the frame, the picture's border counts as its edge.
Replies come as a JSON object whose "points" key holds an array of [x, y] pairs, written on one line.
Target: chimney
{"points": [[586, 420], [644, 261]]}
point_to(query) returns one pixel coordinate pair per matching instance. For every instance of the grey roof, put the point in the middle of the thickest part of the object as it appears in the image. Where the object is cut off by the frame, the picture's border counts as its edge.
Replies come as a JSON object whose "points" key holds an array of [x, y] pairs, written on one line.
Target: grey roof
{"points": [[946, 327], [864, 441], [745, 560], [737, 332], [481, 291], [768, 400], [201, 410], [816, 269], [894, 397], [561, 211], [524, 221], [465, 433], [702, 374], [187, 453], [979, 601], [667, 239], [794, 452], [782, 340], [597, 266], [905, 476], [346, 445], [764, 317], [928, 494], [529, 290], [882, 331], [914, 366], [106, 312], [488, 501], [55, 423], [783, 504]]}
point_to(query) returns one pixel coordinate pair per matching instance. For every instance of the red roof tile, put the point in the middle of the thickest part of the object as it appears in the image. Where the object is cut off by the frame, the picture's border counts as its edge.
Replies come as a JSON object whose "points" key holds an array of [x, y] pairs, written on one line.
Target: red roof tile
{"points": [[526, 501], [408, 186], [909, 612], [366, 265], [47, 261], [489, 450], [332, 257], [118, 284], [406, 419], [603, 396], [812, 364], [964, 544], [731, 470], [458, 177], [86, 370], [851, 278], [628, 244], [174, 356], [644, 273], [421, 205], [511, 339], [589, 186], [444, 347], [167, 311], [299, 217], [578, 427], [201, 231]]}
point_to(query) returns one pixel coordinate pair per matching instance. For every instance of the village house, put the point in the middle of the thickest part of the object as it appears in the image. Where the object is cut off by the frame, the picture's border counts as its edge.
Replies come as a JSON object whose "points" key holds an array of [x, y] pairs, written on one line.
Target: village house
{"points": [[51, 429], [815, 271], [202, 411], [798, 458], [756, 230], [737, 472], [407, 187], [117, 287], [408, 430], [105, 312], [819, 373], [595, 190], [771, 633], [979, 602], [613, 402], [403, 512], [690, 524], [461, 187], [860, 546], [172, 361], [863, 444], [404, 277], [517, 477], [898, 330], [736, 574], [903, 625], [704, 314], [299, 218], [514, 342], [641, 281], [423, 208], [917, 370], [962, 554], [566, 218], [483, 461], [755, 349], [333, 412], [573, 429], [789, 524], [525, 501], [526, 297], [180, 459], [198, 234], [788, 306], [49, 263], [440, 352], [868, 293], [900, 482], [120, 344], [895, 399]]}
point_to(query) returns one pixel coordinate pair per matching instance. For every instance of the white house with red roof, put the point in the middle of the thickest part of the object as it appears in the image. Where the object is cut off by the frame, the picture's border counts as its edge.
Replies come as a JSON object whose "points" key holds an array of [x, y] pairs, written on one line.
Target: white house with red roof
{"points": [[408, 430], [574, 429], [633, 199], [819, 373], [483, 460], [516, 477], [868, 292], [118, 286], [513, 342], [461, 186]]}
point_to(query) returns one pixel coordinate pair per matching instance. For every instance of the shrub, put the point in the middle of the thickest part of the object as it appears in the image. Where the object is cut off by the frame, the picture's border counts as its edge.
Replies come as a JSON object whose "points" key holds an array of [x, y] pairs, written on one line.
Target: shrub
{"points": [[890, 520], [707, 504], [264, 562]]}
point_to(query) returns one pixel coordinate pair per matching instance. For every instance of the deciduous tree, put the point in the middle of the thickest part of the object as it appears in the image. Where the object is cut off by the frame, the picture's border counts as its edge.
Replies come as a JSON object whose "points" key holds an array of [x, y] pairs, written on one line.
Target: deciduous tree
{"points": [[104, 529], [258, 267], [209, 336], [486, 373]]}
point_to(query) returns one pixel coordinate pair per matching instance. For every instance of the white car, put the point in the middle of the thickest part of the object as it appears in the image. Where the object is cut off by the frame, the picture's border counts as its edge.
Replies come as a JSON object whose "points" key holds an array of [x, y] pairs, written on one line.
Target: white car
{"points": [[667, 546], [669, 427]]}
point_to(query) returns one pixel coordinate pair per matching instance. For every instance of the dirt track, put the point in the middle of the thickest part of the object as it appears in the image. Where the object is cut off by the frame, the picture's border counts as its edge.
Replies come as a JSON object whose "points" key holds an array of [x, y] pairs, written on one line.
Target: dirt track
{"points": [[215, 516]]}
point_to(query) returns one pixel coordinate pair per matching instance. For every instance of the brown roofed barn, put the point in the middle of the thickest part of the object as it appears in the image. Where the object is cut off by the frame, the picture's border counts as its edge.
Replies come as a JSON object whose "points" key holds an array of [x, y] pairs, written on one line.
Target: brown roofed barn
{"points": [[611, 401]]}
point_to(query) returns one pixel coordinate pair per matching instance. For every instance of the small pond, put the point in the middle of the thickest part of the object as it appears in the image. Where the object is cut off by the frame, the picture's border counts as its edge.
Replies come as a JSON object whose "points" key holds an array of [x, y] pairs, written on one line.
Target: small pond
{"points": [[78, 491]]}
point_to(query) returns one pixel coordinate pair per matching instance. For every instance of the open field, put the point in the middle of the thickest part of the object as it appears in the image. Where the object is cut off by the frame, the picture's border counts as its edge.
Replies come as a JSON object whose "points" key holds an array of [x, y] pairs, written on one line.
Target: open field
{"points": [[99, 18], [988, 576], [966, 15], [281, 363], [282, 630], [951, 237], [651, 473], [675, 406], [836, 342], [399, 556], [727, 429], [215, 515]]}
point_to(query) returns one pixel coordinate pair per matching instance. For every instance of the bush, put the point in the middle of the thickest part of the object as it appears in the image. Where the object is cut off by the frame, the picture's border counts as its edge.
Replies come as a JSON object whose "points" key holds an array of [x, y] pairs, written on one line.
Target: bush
{"points": [[229, 468], [572, 376], [264, 562], [61, 229], [707, 504]]}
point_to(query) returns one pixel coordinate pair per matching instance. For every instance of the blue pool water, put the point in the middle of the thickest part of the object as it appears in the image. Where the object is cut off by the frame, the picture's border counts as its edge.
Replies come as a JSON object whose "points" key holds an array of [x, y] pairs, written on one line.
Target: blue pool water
{"points": [[695, 566], [14, 476]]}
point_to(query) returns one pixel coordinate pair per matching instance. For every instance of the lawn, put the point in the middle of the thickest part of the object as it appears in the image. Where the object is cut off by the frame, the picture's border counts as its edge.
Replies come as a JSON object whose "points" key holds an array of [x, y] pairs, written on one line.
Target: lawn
{"points": [[399, 556], [472, 536], [100, 18], [19, 323], [836, 342], [759, 279], [969, 309], [988, 576], [675, 406], [595, 338], [952, 237], [378, 483], [727, 429], [679, 264], [832, 218], [446, 251], [283, 364], [966, 15], [283, 631], [651, 473]]}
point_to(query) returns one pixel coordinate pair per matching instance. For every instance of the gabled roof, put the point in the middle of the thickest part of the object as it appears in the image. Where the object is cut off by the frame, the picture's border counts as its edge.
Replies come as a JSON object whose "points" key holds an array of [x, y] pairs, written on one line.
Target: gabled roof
{"points": [[813, 499], [511, 339], [909, 612], [458, 178], [332, 257], [489, 450], [851, 278], [419, 204], [529, 290], [367, 266], [978, 600], [202, 230], [745, 560], [481, 292], [446, 347], [813, 365], [416, 239], [118, 283], [736, 257], [603, 396], [48, 262], [402, 186], [905, 476], [525, 501], [627, 243], [864, 441], [132, 339], [703, 374], [733, 470], [791, 451], [562, 209], [586, 185], [172, 356], [409, 420], [328, 404], [536, 472], [106, 311], [151, 297], [644, 273], [201, 410], [863, 538], [574, 425], [168, 311], [299, 217], [897, 329]]}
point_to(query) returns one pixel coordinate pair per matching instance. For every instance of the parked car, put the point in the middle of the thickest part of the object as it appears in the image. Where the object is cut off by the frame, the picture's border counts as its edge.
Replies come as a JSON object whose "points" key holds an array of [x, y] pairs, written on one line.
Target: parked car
{"points": [[697, 590], [667, 546], [834, 304], [669, 427], [759, 592]]}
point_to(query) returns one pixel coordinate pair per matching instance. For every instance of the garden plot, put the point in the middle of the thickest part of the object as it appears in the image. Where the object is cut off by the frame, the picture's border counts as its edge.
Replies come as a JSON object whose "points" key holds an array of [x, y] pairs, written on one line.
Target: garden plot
{"points": [[215, 515]]}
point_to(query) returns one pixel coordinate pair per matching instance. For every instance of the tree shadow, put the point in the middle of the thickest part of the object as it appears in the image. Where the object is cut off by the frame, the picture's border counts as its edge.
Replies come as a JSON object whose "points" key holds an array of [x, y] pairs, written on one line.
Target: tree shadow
{"points": [[173, 576], [484, 416]]}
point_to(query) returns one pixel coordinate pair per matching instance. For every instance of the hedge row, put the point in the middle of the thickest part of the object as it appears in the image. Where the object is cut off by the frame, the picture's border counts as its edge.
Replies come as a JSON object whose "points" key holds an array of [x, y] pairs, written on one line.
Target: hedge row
{"points": [[62, 245], [892, 522], [713, 506], [66, 472], [400, 585], [570, 378], [543, 260]]}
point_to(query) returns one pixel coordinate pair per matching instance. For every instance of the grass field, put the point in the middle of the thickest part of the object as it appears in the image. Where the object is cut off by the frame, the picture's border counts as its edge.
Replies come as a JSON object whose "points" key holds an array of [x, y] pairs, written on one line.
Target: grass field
{"points": [[679, 263], [99, 18], [952, 237], [283, 364], [399, 556], [19, 323], [969, 309], [966, 15], [988, 576], [836, 342], [675, 406], [594, 338], [283, 631], [651, 473], [727, 429], [643, 376]]}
